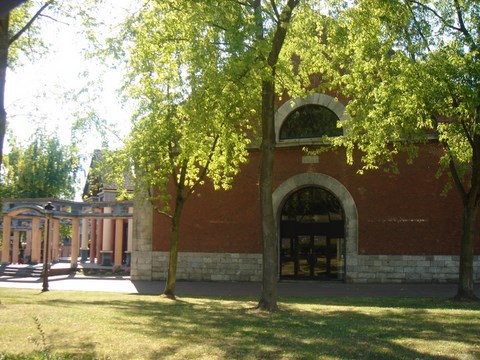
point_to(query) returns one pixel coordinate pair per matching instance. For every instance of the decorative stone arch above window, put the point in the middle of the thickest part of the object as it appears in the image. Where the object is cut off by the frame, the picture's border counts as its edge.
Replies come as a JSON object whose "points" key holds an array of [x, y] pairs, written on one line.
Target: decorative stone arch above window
{"points": [[315, 99]]}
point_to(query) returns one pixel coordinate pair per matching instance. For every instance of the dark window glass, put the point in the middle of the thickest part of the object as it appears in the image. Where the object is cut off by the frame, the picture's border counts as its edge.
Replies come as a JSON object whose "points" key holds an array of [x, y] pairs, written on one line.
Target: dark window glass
{"points": [[312, 236], [310, 121], [310, 203]]}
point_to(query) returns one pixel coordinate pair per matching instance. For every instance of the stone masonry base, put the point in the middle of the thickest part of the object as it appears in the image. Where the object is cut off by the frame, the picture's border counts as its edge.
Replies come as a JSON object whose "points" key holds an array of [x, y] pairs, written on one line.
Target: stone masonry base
{"points": [[406, 269], [148, 265], [200, 266]]}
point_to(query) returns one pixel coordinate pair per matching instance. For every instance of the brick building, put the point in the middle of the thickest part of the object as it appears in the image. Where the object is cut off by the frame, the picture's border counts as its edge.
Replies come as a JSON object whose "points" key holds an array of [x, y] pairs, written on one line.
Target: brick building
{"points": [[333, 224]]}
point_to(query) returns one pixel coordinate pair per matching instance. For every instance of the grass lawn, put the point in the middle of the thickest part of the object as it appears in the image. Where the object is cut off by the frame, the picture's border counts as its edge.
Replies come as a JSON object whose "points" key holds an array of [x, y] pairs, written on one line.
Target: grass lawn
{"points": [[86, 325]]}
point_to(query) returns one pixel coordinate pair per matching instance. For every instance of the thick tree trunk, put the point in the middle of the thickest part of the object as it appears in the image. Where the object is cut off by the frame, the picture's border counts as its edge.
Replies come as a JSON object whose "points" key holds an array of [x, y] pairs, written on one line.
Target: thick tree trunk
{"points": [[465, 281], [4, 44], [268, 299], [173, 257], [7, 5], [470, 214]]}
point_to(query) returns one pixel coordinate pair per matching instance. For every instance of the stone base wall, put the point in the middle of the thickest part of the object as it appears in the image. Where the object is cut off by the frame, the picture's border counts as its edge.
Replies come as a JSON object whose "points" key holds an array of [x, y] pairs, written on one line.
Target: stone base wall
{"points": [[148, 265], [141, 261], [141, 265], [202, 266], [406, 269]]}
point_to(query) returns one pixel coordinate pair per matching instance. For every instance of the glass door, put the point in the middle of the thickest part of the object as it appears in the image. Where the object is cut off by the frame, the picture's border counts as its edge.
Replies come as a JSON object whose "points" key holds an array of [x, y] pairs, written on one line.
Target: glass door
{"points": [[312, 245]]}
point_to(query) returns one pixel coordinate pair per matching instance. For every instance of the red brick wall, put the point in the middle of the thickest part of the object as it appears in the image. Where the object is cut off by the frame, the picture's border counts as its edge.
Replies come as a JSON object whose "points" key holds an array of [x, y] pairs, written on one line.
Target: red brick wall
{"points": [[219, 221], [398, 214]]}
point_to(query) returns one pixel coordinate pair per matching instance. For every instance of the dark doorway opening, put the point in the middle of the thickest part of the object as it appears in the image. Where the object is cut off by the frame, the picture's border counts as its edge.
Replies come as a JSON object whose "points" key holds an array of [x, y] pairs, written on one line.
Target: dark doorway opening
{"points": [[312, 236]]}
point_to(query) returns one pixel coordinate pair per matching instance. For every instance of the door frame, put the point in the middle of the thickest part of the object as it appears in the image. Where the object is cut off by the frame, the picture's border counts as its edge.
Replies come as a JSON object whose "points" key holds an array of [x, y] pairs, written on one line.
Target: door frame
{"points": [[294, 183]]}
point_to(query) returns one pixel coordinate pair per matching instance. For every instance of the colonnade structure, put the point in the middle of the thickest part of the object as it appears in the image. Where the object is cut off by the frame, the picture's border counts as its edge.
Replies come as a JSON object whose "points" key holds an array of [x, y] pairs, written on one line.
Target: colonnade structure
{"points": [[95, 232]]}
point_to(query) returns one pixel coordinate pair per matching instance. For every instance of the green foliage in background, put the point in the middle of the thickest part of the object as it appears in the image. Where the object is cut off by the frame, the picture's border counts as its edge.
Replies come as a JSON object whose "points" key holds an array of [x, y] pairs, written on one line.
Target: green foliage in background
{"points": [[44, 168]]}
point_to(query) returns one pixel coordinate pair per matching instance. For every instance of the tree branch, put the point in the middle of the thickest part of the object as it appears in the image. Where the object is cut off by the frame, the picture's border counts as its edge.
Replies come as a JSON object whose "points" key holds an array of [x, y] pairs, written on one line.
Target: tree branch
{"points": [[281, 31], [467, 133], [451, 165], [29, 23], [242, 3], [455, 175], [161, 212], [53, 19], [436, 14], [275, 10], [462, 28], [205, 168], [180, 184], [417, 25]]}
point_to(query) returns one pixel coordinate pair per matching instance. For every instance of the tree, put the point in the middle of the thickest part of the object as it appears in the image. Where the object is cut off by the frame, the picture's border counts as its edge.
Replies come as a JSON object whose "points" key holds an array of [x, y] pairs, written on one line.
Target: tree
{"points": [[183, 135], [411, 70], [277, 34], [21, 39], [172, 155], [8, 5], [13, 26], [220, 54], [43, 169]]}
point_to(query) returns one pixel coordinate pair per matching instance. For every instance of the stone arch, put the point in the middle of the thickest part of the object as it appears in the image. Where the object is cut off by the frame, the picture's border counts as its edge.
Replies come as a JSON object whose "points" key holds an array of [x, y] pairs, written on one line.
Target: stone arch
{"points": [[329, 183], [25, 209], [315, 99]]}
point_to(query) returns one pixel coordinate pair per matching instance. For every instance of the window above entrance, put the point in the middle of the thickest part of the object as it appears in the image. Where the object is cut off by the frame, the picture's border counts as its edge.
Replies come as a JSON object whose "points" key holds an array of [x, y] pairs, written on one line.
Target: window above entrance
{"points": [[310, 121]]}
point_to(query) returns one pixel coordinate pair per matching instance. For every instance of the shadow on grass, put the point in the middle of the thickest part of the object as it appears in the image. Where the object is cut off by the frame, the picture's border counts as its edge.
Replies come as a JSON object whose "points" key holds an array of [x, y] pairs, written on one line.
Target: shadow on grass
{"points": [[40, 355], [432, 303], [341, 328]]}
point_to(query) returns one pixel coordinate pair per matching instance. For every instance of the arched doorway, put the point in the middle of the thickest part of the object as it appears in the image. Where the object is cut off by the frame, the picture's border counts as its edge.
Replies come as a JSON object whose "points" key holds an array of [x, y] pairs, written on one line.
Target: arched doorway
{"points": [[312, 236]]}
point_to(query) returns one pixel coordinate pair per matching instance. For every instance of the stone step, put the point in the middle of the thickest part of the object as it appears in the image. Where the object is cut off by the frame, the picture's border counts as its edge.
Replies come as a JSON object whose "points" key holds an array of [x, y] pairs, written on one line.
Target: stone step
{"points": [[21, 271]]}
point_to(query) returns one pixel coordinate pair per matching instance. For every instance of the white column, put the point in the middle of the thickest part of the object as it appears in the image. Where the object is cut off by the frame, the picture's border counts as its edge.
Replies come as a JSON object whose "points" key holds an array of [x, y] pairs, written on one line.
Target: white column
{"points": [[55, 226], [118, 242], [6, 239], [36, 240], [15, 246], [84, 234], [107, 239], [128, 252], [107, 231], [28, 248], [84, 244], [130, 230], [94, 243], [75, 241]]}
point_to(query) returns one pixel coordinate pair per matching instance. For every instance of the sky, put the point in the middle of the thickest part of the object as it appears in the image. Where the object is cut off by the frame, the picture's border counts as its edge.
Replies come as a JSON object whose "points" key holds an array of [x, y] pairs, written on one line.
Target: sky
{"points": [[35, 92]]}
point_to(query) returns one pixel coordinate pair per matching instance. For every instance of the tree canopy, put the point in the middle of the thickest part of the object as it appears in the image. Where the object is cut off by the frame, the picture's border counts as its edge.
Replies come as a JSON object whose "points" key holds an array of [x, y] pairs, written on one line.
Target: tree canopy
{"points": [[411, 71], [201, 72], [27, 34], [190, 126], [42, 169], [188, 86]]}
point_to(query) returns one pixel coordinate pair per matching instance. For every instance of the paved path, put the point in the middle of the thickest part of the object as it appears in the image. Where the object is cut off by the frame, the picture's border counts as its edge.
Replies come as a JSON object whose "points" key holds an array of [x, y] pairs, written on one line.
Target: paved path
{"points": [[202, 288]]}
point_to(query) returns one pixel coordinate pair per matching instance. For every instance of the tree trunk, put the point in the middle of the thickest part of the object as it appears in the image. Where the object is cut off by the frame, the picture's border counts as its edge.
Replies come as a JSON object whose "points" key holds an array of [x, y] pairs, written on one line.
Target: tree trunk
{"points": [[268, 299], [465, 281], [173, 256], [4, 44], [8, 5], [470, 213]]}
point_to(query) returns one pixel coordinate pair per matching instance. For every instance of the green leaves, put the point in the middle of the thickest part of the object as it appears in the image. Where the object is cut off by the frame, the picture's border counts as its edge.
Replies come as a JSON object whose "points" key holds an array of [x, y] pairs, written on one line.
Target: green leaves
{"points": [[409, 69], [43, 169], [190, 69]]}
